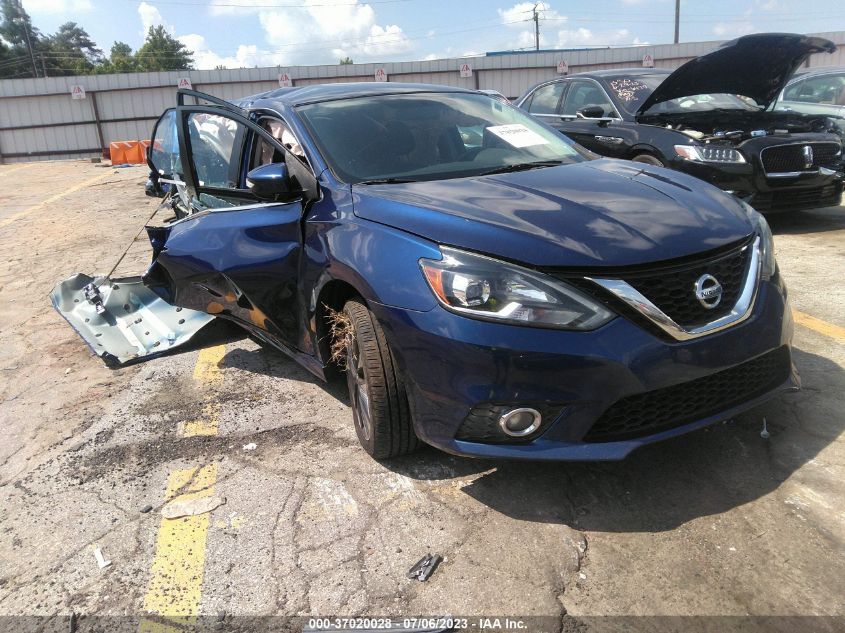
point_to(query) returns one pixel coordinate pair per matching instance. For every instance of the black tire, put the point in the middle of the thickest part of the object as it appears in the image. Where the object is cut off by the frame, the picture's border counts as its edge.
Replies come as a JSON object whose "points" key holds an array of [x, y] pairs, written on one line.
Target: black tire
{"points": [[382, 419], [648, 159]]}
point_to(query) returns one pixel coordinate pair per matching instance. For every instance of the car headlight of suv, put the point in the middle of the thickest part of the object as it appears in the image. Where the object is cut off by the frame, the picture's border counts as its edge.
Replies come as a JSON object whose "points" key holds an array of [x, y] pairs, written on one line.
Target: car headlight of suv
{"points": [[767, 241], [710, 154], [486, 288]]}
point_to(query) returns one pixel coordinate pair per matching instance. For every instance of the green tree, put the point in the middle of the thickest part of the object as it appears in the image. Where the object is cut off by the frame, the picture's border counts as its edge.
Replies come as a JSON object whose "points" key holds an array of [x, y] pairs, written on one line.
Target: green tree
{"points": [[71, 51], [121, 60], [17, 32], [161, 51], [346, 61]]}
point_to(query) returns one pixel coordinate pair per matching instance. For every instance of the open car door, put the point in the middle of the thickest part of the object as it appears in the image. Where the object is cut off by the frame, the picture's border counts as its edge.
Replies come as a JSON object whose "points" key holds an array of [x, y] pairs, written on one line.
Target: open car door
{"points": [[234, 254]]}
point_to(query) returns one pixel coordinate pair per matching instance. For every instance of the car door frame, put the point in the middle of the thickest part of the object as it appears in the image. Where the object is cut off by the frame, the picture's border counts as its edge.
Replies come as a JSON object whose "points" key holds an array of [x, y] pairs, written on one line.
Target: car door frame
{"points": [[159, 275], [615, 143], [550, 119]]}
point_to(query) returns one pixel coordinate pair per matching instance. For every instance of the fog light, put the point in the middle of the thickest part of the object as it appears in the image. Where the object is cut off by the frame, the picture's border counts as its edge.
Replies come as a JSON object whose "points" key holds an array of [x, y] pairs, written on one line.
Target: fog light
{"points": [[520, 422]]}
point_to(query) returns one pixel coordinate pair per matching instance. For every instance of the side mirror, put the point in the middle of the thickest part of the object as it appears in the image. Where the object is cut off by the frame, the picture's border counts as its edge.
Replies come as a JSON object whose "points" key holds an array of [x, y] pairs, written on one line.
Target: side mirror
{"points": [[590, 112], [269, 182]]}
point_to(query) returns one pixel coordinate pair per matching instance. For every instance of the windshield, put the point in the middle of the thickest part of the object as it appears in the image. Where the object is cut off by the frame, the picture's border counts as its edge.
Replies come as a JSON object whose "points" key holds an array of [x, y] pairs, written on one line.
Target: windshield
{"points": [[632, 91], [429, 136]]}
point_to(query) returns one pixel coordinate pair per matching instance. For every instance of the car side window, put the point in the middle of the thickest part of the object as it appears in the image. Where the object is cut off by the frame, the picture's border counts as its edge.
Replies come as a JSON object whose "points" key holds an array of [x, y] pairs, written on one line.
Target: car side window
{"points": [[216, 143], [546, 98], [583, 94], [164, 148], [265, 153], [828, 89]]}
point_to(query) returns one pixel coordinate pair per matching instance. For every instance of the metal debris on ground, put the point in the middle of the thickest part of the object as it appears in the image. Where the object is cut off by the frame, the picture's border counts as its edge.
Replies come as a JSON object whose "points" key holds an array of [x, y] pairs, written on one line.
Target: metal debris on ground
{"points": [[146, 508], [122, 320], [425, 567], [101, 560], [191, 507], [765, 432]]}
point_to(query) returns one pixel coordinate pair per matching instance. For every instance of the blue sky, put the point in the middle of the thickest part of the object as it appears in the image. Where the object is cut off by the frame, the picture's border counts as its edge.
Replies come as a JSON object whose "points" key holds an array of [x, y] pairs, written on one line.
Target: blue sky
{"points": [[239, 33]]}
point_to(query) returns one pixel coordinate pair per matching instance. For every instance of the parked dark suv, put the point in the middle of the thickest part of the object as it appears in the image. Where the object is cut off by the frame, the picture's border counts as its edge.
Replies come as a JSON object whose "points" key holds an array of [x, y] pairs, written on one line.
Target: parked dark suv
{"points": [[709, 118]]}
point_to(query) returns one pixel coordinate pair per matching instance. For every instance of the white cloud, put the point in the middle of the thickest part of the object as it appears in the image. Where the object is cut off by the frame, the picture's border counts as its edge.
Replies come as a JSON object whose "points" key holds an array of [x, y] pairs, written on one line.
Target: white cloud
{"points": [[385, 41], [523, 12], [151, 16], [553, 31], [246, 56], [322, 31], [58, 6], [726, 30]]}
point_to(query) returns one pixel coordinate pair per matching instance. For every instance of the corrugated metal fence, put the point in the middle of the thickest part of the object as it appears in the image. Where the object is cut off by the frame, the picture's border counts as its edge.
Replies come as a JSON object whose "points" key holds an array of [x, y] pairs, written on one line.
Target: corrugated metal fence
{"points": [[40, 120]]}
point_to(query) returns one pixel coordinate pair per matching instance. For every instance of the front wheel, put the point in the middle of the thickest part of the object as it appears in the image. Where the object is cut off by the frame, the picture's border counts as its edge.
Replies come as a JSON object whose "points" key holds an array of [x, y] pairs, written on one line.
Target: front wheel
{"points": [[648, 159], [379, 402]]}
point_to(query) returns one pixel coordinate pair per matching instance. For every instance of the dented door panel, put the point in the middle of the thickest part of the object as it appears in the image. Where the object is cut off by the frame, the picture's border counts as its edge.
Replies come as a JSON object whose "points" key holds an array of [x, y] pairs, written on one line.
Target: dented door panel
{"points": [[240, 265]]}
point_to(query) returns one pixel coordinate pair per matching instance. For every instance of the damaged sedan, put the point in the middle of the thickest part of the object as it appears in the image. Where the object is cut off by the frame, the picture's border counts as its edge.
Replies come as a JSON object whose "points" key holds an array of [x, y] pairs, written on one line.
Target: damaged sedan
{"points": [[512, 296], [711, 118]]}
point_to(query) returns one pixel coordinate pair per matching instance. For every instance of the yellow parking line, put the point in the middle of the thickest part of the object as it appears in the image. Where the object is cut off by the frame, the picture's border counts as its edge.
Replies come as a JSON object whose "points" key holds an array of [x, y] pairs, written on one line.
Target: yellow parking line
{"points": [[4, 171], [822, 327], [55, 198], [176, 575], [207, 372]]}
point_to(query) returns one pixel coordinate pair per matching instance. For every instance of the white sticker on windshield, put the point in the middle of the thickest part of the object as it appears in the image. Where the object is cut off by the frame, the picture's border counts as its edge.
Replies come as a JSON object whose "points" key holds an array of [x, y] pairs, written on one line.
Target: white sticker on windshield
{"points": [[517, 135]]}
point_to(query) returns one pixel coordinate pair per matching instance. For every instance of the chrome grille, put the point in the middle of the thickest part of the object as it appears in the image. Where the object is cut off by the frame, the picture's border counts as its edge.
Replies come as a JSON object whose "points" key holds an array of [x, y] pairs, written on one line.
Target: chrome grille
{"points": [[791, 158]]}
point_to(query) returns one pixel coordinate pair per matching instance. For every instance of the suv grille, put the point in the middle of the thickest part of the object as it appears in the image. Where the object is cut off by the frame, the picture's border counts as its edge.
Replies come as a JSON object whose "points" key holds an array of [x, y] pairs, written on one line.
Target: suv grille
{"points": [[789, 158], [654, 411], [673, 289]]}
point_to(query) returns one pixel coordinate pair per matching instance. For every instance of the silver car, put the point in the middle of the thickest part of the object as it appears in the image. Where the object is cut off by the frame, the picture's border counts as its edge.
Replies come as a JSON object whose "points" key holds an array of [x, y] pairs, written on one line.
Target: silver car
{"points": [[817, 91]]}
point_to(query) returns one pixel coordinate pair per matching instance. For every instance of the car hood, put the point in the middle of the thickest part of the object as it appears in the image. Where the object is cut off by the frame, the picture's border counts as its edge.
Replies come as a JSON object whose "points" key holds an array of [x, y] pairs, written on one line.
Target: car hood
{"points": [[756, 66], [596, 213]]}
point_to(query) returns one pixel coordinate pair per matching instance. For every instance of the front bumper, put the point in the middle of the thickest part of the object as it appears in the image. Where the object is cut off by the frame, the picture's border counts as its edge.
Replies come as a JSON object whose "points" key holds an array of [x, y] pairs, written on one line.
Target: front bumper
{"points": [[768, 195], [452, 363]]}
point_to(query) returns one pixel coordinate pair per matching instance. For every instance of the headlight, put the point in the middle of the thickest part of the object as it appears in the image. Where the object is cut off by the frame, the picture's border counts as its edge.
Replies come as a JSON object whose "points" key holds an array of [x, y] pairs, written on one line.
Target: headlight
{"points": [[710, 153], [486, 288], [767, 241]]}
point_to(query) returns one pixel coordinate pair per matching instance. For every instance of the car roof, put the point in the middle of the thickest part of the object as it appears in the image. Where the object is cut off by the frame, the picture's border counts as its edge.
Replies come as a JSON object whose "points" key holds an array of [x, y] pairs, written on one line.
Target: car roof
{"points": [[819, 70], [330, 92], [601, 74], [633, 72]]}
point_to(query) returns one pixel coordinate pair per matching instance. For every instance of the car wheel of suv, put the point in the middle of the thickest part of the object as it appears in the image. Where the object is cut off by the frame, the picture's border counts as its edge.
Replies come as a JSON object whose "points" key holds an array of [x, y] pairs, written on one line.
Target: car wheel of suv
{"points": [[379, 402], [648, 159]]}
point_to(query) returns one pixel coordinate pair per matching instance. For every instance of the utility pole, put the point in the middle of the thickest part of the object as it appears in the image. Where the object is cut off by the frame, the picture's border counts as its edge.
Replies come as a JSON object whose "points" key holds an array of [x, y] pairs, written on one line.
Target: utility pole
{"points": [[677, 20], [25, 23], [536, 29]]}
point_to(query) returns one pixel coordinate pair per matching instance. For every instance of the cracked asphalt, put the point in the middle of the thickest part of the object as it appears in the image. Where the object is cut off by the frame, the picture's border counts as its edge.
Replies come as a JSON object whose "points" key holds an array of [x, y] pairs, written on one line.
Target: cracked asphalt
{"points": [[719, 522]]}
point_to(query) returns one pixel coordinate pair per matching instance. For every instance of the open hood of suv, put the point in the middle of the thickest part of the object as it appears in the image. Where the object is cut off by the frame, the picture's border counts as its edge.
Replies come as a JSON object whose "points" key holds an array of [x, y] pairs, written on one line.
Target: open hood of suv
{"points": [[756, 66]]}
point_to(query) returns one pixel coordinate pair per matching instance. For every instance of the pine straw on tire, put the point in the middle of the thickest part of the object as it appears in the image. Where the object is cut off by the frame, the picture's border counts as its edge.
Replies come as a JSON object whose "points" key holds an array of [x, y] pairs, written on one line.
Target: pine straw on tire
{"points": [[341, 335]]}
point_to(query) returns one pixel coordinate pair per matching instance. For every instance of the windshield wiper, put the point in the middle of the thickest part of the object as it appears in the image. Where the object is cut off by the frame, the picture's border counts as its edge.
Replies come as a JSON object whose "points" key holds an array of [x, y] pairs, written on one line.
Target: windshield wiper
{"points": [[507, 169], [386, 181]]}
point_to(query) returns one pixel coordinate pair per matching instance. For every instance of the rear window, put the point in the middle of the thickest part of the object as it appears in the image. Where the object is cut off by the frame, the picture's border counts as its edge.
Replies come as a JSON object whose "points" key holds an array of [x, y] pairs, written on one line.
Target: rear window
{"points": [[632, 91]]}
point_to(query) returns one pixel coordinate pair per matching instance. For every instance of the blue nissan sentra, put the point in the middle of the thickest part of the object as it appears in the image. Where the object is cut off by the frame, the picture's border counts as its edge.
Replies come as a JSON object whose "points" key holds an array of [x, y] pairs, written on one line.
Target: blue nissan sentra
{"points": [[484, 284]]}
